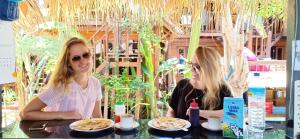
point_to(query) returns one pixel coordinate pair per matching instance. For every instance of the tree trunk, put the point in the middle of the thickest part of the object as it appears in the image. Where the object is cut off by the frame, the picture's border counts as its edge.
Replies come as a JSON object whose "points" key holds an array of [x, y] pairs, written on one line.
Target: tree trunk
{"points": [[236, 66]]}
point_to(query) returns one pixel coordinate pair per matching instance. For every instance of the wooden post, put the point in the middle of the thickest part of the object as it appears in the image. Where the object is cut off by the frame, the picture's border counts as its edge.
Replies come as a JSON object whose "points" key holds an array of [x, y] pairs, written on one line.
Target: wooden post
{"points": [[127, 44], [138, 93], [94, 53], [256, 45], [116, 48], [269, 44], [106, 73], [106, 44], [112, 104], [250, 39], [261, 49]]}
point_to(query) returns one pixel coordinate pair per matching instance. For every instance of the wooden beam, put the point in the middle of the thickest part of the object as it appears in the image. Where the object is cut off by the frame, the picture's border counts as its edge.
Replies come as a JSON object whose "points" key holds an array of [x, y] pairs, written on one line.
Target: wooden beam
{"points": [[276, 39], [203, 34], [98, 30], [91, 23], [89, 28]]}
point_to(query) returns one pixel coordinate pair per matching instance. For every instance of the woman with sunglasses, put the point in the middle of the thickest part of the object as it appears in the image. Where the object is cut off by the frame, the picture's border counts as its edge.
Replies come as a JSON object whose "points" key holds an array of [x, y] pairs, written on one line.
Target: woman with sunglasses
{"points": [[207, 86], [72, 93]]}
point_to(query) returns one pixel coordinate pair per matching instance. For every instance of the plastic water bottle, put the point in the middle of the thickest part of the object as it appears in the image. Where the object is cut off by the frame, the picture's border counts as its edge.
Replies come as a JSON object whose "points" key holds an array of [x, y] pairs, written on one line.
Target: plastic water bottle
{"points": [[194, 114], [119, 110], [256, 106]]}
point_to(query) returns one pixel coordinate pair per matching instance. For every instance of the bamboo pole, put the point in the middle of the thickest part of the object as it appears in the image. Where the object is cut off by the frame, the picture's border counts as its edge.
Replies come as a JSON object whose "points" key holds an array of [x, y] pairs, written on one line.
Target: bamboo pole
{"points": [[106, 103]]}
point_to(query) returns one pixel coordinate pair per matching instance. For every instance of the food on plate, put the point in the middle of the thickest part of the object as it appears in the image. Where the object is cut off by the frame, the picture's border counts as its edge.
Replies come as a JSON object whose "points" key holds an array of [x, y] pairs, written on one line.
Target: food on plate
{"points": [[92, 124], [168, 123]]}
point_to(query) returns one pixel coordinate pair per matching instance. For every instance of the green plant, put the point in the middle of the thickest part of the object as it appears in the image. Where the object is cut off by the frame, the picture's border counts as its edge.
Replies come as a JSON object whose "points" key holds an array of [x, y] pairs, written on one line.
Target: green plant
{"points": [[164, 101], [124, 88], [168, 67], [148, 43], [273, 8], [37, 55], [9, 96]]}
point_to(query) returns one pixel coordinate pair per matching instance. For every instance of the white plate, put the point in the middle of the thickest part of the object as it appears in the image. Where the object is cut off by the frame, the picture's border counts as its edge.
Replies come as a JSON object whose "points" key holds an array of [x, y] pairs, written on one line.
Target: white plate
{"points": [[205, 125], [74, 124], [187, 125], [135, 125]]}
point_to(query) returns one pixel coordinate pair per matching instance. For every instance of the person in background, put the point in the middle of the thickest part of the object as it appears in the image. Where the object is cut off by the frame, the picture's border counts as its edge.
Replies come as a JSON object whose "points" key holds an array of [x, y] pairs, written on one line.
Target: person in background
{"points": [[72, 93], [207, 85]]}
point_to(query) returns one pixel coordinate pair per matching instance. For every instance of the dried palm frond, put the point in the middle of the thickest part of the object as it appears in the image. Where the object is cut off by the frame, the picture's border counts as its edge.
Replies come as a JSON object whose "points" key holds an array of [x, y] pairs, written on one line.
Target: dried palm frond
{"points": [[78, 12]]}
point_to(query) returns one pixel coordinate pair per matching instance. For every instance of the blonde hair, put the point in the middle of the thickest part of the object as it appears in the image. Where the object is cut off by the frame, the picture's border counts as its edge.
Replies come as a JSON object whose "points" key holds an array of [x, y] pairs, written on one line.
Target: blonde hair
{"points": [[63, 71], [211, 76]]}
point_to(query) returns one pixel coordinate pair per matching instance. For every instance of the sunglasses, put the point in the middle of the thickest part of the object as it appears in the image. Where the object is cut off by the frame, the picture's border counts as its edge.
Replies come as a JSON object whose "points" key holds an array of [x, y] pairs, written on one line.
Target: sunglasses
{"points": [[85, 55], [195, 66]]}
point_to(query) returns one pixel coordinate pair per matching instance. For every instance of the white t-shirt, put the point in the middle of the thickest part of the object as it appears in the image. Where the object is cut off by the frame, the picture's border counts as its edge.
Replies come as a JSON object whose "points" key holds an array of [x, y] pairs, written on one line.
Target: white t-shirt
{"points": [[77, 99]]}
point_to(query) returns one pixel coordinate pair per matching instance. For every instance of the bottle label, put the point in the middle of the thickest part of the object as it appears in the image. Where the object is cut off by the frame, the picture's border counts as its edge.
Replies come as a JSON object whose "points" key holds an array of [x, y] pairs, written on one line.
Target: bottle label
{"points": [[233, 117], [257, 92]]}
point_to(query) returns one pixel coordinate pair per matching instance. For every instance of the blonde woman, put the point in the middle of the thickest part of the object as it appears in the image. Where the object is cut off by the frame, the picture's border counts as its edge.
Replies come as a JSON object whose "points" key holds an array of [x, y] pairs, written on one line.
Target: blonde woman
{"points": [[72, 93], [207, 86]]}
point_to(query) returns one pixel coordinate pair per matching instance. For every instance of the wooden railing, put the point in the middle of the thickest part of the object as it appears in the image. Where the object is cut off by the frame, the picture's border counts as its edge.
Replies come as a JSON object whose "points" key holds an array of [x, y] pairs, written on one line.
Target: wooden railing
{"points": [[261, 46], [210, 25], [276, 28]]}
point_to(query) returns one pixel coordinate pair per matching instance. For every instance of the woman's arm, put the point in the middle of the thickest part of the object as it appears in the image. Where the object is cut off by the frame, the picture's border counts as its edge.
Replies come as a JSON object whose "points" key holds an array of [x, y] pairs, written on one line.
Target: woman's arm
{"points": [[209, 113], [97, 113], [33, 111], [170, 112]]}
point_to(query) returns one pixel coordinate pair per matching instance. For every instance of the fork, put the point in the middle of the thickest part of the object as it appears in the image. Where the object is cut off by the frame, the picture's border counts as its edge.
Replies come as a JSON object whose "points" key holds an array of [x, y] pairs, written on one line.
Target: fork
{"points": [[38, 128]]}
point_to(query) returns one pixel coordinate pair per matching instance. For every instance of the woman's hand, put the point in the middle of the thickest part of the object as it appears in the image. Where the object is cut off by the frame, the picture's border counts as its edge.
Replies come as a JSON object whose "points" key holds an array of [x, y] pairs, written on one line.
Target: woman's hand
{"points": [[170, 112], [204, 114], [188, 112], [97, 110], [209, 113]]}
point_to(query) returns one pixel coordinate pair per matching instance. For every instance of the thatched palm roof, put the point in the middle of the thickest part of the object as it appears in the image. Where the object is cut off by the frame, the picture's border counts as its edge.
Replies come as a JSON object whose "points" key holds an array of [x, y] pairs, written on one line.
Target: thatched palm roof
{"points": [[74, 12]]}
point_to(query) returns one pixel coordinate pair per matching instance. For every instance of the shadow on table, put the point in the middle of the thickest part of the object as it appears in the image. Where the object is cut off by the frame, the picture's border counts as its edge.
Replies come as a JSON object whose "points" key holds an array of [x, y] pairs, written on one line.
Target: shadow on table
{"points": [[209, 134], [54, 128], [126, 134], [98, 134], [170, 134]]}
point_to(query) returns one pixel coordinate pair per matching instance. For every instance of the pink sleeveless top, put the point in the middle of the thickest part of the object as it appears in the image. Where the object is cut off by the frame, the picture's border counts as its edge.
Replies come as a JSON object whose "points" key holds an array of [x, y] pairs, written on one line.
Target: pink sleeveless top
{"points": [[77, 99]]}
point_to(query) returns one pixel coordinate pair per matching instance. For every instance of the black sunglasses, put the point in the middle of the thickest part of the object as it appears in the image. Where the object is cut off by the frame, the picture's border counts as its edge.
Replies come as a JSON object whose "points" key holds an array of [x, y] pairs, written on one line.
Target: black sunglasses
{"points": [[85, 55], [195, 66]]}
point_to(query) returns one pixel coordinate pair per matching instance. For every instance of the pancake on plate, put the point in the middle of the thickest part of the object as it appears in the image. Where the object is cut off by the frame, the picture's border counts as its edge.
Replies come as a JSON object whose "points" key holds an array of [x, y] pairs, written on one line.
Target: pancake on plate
{"points": [[168, 123], [92, 124]]}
